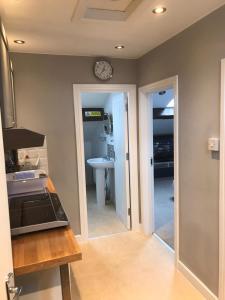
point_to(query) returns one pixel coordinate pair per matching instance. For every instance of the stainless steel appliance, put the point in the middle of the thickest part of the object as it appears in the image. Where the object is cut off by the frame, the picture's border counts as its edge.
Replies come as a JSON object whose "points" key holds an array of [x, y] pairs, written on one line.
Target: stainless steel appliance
{"points": [[32, 181], [35, 212]]}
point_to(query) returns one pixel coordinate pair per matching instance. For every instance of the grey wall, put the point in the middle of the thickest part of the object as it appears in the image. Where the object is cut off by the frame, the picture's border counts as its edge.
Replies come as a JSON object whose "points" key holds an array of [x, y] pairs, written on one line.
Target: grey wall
{"points": [[44, 100], [195, 56]]}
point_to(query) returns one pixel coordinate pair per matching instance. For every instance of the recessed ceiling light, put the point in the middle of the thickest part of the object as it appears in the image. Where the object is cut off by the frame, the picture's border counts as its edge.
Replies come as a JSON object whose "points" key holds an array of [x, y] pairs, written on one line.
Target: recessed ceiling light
{"points": [[19, 42], [159, 10], [161, 93], [119, 47]]}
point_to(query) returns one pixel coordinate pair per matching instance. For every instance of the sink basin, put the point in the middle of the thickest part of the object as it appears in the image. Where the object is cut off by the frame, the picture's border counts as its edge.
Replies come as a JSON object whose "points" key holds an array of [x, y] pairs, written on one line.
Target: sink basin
{"points": [[100, 163]]}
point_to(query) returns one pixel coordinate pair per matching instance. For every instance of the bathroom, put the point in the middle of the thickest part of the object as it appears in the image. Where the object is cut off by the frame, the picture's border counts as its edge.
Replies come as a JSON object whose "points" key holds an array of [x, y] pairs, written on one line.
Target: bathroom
{"points": [[106, 166]]}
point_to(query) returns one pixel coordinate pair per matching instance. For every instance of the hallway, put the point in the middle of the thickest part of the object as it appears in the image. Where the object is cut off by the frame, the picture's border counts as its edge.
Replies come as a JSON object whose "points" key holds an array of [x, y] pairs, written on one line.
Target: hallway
{"points": [[128, 266]]}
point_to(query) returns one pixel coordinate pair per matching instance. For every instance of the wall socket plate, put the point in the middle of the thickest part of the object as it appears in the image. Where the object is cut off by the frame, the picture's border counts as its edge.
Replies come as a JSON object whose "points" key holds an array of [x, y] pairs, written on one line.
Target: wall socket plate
{"points": [[213, 144]]}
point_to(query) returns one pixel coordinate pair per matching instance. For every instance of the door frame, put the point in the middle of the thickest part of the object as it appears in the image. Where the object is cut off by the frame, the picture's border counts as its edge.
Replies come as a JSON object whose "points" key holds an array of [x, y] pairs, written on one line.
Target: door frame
{"points": [[146, 147], [130, 90], [222, 188]]}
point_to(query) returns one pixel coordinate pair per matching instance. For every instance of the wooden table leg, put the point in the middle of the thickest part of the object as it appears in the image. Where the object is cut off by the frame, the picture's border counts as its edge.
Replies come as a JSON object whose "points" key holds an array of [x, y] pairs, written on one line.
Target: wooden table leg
{"points": [[65, 282]]}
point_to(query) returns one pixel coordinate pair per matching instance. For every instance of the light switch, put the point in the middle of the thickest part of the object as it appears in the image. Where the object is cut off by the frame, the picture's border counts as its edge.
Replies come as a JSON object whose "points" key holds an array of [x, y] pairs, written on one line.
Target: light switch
{"points": [[213, 144]]}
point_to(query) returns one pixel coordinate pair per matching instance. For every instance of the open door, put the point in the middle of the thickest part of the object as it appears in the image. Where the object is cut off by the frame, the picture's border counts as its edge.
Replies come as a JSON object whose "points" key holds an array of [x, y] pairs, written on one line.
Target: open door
{"points": [[122, 188], [7, 289]]}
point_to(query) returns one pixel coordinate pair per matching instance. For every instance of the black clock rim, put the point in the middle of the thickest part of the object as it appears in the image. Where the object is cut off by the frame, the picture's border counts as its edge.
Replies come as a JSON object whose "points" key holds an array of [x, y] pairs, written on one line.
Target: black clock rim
{"points": [[99, 60]]}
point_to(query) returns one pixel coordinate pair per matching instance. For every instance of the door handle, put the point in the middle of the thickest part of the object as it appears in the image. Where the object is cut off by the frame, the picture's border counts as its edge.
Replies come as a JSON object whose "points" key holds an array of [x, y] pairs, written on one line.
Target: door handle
{"points": [[13, 292]]}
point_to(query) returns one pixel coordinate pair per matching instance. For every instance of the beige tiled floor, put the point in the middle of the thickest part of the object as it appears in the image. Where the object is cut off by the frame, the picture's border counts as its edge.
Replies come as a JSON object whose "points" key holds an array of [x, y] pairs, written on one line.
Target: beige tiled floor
{"points": [[128, 266], [102, 221]]}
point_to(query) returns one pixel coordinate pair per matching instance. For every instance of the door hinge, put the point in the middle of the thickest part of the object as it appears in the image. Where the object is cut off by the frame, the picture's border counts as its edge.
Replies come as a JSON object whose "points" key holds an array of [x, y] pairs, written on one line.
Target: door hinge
{"points": [[13, 292], [127, 156], [126, 106], [129, 211], [151, 161]]}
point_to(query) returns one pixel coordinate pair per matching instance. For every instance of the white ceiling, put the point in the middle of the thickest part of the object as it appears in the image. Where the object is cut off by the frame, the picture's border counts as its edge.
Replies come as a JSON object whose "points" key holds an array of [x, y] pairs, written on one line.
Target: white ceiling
{"points": [[162, 100], [59, 27], [111, 4]]}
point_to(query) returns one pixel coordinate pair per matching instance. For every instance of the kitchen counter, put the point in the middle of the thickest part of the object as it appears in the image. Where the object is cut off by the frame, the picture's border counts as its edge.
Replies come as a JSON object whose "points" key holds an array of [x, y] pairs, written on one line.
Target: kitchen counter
{"points": [[42, 250]]}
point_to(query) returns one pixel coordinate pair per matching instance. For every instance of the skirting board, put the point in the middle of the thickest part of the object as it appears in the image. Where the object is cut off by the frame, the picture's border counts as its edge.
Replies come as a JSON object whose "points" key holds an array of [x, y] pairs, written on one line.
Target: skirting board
{"points": [[78, 237], [196, 282]]}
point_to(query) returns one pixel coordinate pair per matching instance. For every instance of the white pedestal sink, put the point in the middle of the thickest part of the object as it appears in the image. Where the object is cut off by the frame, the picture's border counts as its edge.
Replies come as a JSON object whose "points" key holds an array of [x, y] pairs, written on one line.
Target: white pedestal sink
{"points": [[100, 164]]}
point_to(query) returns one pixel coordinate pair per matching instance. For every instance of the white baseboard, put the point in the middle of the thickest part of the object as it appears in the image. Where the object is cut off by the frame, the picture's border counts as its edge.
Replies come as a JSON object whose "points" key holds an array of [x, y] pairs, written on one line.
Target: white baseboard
{"points": [[79, 238], [138, 228], [163, 242], [196, 282]]}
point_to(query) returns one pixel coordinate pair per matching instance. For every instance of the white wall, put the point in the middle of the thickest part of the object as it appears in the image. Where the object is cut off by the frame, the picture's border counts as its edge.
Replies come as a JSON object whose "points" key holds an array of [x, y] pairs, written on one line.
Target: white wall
{"points": [[94, 145], [96, 100], [108, 104], [33, 153], [94, 137]]}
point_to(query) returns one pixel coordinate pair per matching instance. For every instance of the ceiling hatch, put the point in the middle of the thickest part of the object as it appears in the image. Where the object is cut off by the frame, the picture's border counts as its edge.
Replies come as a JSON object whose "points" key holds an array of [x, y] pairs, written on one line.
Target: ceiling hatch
{"points": [[111, 10]]}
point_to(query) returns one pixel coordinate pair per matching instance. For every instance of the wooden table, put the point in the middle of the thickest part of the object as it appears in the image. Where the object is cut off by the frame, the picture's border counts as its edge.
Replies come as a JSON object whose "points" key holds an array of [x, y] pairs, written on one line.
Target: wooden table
{"points": [[47, 249]]}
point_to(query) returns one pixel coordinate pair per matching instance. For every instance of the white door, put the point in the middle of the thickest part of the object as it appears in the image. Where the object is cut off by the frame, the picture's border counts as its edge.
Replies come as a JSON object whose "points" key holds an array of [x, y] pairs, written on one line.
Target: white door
{"points": [[146, 153], [6, 266], [146, 165], [121, 166]]}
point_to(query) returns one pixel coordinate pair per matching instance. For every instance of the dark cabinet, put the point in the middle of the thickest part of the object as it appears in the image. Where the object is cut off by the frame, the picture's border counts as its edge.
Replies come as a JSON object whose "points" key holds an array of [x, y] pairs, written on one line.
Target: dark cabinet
{"points": [[163, 156]]}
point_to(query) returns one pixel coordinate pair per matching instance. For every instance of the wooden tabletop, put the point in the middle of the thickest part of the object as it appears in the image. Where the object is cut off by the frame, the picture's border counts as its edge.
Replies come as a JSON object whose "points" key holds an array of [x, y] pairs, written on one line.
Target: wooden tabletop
{"points": [[45, 249]]}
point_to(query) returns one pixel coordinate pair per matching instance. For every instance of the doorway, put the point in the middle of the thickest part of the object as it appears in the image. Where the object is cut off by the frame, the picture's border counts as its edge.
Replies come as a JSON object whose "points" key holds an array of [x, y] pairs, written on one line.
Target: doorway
{"points": [[106, 137], [159, 176], [105, 123], [163, 163]]}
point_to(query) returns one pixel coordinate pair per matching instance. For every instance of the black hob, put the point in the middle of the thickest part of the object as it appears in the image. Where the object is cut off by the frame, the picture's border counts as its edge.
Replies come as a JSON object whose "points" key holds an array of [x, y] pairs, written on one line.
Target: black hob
{"points": [[35, 212]]}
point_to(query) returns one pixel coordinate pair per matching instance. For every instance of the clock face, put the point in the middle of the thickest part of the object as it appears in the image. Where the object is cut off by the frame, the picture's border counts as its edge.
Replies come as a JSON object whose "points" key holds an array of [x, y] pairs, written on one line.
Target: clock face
{"points": [[103, 70]]}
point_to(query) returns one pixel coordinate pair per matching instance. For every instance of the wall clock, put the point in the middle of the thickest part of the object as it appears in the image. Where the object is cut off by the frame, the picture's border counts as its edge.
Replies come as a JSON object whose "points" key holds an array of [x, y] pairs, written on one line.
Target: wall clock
{"points": [[103, 70]]}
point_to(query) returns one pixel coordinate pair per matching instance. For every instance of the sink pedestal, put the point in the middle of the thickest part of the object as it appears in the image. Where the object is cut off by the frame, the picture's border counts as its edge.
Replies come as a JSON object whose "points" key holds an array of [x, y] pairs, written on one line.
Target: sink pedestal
{"points": [[100, 164], [100, 186]]}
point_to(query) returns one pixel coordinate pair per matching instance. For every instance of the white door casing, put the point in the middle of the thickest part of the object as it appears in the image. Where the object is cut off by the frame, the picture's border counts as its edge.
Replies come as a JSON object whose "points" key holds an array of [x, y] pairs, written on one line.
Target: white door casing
{"points": [[6, 265], [130, 90], [146, 152]]}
